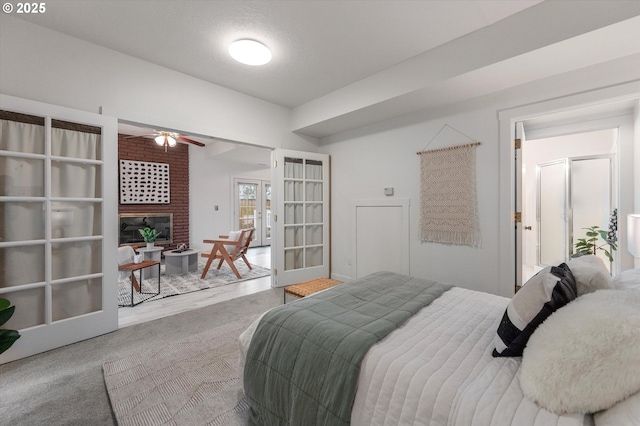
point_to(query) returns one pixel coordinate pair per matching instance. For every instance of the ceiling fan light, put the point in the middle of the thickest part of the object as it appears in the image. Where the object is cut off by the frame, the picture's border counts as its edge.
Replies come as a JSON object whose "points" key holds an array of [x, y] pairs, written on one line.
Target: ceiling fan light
{"points": [[160, 140], [172, 142], [250, 52]]}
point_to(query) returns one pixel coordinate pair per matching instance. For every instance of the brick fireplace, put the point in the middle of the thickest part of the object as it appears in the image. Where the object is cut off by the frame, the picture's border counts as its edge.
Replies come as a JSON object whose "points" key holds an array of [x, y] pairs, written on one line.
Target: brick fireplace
{"points": [[143, 149]]}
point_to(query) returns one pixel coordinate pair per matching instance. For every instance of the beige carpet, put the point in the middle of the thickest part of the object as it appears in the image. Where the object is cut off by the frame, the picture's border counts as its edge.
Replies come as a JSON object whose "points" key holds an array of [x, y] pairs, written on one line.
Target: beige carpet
{"points": [[189, 382]]}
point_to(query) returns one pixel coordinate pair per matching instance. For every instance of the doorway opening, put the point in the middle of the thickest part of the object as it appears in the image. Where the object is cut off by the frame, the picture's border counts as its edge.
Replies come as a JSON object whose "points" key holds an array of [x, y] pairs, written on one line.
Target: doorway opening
{"points": [[559, 118], [567, 186]]}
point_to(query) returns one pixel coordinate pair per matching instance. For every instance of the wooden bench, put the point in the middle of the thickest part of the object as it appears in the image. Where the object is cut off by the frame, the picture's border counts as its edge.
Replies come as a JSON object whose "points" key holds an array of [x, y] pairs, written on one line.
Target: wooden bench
{"points": [[309, 287]]}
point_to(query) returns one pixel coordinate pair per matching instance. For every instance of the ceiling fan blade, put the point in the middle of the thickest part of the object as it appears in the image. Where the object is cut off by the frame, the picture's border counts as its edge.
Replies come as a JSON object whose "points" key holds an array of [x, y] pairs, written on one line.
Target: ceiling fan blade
{"points": [[183, 139], [141, 136]]}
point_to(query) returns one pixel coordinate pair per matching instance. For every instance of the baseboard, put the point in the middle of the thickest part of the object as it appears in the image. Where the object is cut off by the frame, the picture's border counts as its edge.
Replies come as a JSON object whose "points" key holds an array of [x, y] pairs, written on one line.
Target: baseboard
{"points": [[340, 277]]}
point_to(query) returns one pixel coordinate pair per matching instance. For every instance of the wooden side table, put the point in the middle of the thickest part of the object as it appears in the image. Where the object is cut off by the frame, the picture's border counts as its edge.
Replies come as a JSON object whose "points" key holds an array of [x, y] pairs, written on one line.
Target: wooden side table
{"points": [[132, 267]]}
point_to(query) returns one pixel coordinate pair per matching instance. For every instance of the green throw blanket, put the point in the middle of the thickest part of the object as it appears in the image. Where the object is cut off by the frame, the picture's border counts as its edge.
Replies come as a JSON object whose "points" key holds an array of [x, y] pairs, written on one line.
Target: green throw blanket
{"points": [[303, 362]]}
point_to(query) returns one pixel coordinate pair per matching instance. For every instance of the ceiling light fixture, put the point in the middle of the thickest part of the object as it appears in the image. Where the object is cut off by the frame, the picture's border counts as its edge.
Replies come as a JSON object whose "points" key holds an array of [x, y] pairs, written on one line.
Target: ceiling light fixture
{"points": [[166, 138], [250, 52]]}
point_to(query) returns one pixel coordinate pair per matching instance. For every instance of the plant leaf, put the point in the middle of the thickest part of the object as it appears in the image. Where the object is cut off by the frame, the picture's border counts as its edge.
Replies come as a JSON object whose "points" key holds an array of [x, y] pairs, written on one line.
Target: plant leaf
{"points": [[4, 304], [5, 314], [7, 338]]}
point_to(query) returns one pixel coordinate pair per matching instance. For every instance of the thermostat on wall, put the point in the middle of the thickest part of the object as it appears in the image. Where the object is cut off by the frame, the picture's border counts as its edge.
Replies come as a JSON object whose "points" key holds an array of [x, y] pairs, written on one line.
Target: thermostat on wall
{"points": [[388, 191]]}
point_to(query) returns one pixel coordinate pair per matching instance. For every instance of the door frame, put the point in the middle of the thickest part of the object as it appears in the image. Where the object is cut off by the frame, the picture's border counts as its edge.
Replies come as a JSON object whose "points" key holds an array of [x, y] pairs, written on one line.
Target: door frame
{"points": [[507, 119]]}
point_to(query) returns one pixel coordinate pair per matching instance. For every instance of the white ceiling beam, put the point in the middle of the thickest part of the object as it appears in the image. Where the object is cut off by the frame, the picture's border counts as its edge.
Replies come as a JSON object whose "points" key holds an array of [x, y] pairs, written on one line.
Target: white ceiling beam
{"points": [[547, 39]]}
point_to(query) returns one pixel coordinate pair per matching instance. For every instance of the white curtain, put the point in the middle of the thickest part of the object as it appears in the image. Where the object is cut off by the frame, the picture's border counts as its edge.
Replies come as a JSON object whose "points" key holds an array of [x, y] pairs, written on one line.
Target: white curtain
{"points": [[24, 177]]}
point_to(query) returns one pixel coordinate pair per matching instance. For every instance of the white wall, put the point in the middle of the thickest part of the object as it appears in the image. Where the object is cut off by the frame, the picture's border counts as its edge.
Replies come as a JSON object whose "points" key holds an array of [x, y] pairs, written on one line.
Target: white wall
{"points": [[364, 163], [211, 184]]}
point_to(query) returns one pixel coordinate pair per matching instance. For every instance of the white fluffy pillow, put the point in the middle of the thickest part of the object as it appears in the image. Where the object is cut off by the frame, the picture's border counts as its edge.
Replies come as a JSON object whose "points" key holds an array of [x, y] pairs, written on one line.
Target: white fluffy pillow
{"points": [[586, 356], [590, 273]]}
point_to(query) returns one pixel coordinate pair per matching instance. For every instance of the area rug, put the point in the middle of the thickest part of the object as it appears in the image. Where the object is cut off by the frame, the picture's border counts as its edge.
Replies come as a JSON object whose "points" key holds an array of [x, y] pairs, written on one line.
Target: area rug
{"points": [[173, 285], [190, 382]]}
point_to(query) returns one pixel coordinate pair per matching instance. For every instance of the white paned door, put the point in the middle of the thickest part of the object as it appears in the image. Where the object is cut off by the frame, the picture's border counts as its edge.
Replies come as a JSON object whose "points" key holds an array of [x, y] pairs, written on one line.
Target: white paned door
{"points": [[58, 229], [300, 215]]}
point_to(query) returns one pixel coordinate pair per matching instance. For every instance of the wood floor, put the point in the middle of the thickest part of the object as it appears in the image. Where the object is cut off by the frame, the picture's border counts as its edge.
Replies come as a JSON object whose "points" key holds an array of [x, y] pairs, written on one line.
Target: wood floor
{"points": [[185, 302]]}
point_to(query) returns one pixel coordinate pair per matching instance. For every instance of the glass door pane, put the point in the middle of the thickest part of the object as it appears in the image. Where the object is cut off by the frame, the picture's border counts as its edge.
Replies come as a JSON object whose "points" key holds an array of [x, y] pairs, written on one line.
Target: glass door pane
{"points": [[247, 205]]}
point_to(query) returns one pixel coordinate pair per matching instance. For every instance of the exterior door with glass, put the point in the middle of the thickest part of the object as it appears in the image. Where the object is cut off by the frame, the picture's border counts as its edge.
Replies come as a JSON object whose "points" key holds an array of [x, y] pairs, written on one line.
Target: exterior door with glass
{"points": [[58, 236], [301, 217], [253, 209]]}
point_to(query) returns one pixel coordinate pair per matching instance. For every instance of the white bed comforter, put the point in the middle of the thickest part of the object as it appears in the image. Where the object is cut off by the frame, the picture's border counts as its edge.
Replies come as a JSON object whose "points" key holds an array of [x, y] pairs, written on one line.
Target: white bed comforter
{"points": [[437, 369]]}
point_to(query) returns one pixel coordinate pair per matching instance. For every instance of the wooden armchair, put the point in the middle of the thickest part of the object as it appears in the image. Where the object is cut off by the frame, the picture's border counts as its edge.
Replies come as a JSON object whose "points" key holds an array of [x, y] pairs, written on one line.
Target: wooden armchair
{"points": [[227, 249]]}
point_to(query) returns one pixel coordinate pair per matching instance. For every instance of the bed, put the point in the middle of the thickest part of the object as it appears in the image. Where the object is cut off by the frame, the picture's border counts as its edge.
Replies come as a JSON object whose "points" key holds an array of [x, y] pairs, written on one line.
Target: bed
{"points": [[436, 367]]}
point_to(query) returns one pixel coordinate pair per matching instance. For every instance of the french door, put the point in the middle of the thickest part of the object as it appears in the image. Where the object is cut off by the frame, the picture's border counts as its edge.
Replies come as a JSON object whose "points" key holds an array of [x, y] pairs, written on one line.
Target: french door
{"points": [[252, 207], [301, 216], [58, 236]]}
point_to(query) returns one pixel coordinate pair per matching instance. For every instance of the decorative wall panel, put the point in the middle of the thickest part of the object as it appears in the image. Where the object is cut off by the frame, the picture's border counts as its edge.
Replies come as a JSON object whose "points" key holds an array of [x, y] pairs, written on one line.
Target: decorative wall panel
{"points": [[144, 183]]}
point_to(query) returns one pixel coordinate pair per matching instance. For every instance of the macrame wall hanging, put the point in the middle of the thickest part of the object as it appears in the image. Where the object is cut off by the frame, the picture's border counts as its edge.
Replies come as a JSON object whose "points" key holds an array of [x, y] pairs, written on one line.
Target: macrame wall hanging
{"points": [[448, 198]]}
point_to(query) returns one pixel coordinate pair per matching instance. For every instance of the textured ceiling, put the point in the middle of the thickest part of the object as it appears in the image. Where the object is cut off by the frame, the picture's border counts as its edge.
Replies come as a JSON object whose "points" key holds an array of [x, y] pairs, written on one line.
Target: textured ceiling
{"points": [[318, 46]]}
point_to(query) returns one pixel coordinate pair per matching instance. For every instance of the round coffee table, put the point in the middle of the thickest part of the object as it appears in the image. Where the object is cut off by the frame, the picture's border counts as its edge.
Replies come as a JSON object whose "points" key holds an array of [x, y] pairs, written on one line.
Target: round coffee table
{"points": [[180, 262]]}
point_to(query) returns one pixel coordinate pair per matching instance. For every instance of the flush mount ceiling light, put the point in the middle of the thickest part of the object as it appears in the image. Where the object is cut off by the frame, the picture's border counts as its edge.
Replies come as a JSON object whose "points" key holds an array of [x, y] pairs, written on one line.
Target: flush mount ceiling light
{"points": [[250, 52]]}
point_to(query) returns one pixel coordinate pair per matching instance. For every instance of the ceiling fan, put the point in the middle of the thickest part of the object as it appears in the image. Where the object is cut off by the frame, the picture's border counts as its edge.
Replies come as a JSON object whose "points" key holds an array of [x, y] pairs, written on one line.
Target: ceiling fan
{"points": [[168, 139]]}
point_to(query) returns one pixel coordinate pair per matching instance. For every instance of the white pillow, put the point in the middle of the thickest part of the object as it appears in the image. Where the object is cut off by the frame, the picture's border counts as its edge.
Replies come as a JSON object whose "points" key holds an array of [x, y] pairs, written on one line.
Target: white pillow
{"points": [[585, 357], [590, 273], [233, 236], [627, 280]]}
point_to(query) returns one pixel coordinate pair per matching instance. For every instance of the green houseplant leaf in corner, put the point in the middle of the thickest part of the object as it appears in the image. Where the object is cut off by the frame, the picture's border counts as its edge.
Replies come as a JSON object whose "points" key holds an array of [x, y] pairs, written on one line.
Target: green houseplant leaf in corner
{"points": [[149, 235], [591, 243], [7, 337]]}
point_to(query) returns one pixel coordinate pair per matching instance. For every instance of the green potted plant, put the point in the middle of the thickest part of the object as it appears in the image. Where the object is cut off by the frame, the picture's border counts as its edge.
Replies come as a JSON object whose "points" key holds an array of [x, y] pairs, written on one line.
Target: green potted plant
{"points": [[149, 235], [7, 337], [591, 243]]}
